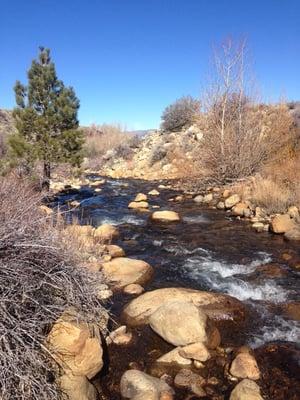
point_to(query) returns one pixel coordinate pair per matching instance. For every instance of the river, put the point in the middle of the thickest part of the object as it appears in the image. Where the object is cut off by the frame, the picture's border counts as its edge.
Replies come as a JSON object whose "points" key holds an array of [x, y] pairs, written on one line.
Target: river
{"points": [[208, 250]]}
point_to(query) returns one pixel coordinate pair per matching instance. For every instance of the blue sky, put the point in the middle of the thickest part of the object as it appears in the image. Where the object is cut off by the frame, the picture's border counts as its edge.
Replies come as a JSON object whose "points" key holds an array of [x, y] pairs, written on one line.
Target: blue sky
{"points": [[128, 59]]}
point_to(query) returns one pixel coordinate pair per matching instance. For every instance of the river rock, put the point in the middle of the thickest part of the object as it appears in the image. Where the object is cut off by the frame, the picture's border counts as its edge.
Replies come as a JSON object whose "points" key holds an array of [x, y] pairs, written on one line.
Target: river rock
{"points": [[226, 193], [245, 366], [232, 200], [133, 288], [186, 378], [120, 336], [198, 199], [179, 323], [77, 387], [282, 223], [139, 385], [124, 271], [246, 390], [115, 251], [154, 192], [217, 306], [106, 232], [138, 204], [220, 205], [174, 357], [258, 226], [208, 198], [74, 349], [165, 216], [293, 234], [241, 209], [140, 197], [195, 351]]}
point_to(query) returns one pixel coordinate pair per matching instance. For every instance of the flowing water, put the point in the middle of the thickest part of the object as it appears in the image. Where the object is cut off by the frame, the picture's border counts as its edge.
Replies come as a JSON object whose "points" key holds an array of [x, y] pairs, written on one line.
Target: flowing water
{"points": [[207, 250]]}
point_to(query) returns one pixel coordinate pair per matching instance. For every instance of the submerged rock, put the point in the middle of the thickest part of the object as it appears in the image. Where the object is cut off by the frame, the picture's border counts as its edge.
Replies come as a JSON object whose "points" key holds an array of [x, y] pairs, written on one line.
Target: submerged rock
{"points": [[122, 271], [217, 306], [168, 216], [138, 385], [246, 390], [179, 323]]}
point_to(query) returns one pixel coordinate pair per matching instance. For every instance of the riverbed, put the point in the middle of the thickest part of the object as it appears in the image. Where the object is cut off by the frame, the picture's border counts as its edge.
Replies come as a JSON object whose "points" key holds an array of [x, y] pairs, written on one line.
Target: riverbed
{"points": [[207, 250]]}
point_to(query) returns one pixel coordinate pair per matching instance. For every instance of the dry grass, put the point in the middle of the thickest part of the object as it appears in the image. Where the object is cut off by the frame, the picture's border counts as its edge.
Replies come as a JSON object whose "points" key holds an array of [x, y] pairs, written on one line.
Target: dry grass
{"points": [[279, 186], [102, 138], [39, 280]]}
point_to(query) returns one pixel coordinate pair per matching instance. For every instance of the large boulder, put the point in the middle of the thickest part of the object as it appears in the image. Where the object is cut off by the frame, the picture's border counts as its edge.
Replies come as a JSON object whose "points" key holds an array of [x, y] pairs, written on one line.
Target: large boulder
{"points": [[246, 390], [282, 223], [232, 200], [106, 232], [75, 349], [179, 323], [165, 216], [245, 366], [77, 387], [217, 306], [124, 271], [138, 385]]}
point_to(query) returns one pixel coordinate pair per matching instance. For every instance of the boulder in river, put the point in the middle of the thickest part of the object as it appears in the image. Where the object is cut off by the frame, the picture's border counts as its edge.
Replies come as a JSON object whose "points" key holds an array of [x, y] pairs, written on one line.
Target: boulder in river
{"points": [[106, 232], [140, 197], [216, 305], [122, 271], [179, 323], [138, 385], [138, 204], [195, 351], [246, 390], [165, 216], [133, 288], [115, 251], [241, 209], [282, 223], [293, 234], [198, 199], [153, 192], [174, 357], [245, 366]]}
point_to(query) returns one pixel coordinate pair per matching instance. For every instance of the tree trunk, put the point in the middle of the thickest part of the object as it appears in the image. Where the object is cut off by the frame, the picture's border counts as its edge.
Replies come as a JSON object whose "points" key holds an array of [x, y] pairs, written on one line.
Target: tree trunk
{"points": [[47, 175]]}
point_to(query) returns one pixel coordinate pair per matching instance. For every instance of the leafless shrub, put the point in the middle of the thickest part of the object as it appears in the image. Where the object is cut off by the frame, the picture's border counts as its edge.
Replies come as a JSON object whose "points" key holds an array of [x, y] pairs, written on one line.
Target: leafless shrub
{"points": [[239, 134], [102, 138], [180, 114], [38, 282], [158, 153]]}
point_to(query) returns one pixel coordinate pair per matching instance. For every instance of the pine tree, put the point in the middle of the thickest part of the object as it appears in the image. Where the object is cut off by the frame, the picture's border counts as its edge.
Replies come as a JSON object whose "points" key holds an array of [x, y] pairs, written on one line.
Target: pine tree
{"points": [[46, 118]]}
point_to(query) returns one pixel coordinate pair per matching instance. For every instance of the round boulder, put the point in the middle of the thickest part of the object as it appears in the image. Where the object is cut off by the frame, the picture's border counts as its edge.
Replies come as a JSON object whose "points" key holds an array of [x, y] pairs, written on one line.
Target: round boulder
{"points": [[216, 305], [246, 390], [122, 271], [165, 216], [179, 323], [245, 366], [106, 232]]}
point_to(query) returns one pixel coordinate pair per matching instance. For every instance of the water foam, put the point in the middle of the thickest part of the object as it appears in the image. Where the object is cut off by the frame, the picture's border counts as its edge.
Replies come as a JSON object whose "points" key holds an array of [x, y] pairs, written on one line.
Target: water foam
{"points": [[197, 219]]}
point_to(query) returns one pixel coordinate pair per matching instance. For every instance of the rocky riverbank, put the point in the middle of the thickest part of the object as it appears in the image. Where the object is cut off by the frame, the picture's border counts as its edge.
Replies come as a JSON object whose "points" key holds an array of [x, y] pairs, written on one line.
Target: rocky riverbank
{"points": [[181, 320]]}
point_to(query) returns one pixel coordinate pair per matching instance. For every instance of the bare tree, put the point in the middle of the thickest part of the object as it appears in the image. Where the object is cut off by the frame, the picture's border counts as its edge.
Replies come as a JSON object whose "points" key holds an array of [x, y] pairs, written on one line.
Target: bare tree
{"points": [[239, 133]]}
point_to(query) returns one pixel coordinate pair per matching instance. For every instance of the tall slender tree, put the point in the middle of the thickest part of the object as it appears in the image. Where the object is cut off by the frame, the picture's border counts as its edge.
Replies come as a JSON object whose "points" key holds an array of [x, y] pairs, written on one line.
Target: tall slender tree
{"points": [[46, 118]]}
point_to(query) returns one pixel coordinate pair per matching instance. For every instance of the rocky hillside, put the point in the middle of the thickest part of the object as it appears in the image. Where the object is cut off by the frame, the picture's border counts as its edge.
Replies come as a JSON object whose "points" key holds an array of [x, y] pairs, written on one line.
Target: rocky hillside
{"points": [[159, 155]]}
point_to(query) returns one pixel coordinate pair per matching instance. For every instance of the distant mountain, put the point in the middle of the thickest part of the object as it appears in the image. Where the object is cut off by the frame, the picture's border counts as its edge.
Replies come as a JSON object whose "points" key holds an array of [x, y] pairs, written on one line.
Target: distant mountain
{"points": [[141, 133]]}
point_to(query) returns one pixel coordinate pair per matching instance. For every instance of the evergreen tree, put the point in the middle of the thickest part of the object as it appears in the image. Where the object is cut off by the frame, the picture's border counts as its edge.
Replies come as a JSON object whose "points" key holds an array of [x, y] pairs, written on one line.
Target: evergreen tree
{"points": [[46, 118]]}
